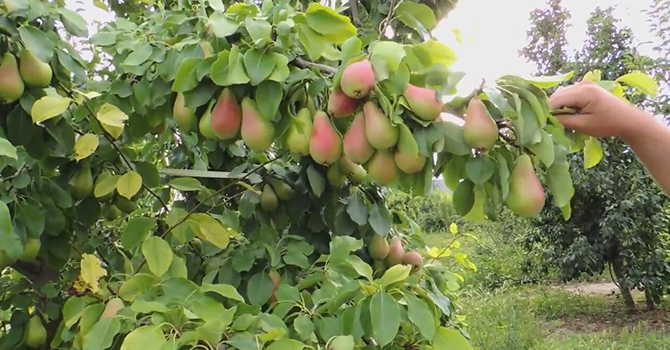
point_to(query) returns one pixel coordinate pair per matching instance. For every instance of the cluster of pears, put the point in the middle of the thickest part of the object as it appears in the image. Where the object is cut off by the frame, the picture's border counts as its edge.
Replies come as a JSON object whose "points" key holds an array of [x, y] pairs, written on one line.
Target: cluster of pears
{"points": [[275, 190], [387, 254], [15, 76]]}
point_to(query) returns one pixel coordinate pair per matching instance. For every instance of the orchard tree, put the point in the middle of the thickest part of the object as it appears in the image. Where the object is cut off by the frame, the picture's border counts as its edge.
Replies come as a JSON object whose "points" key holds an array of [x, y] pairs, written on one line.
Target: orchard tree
{"points": [[212, 178]]}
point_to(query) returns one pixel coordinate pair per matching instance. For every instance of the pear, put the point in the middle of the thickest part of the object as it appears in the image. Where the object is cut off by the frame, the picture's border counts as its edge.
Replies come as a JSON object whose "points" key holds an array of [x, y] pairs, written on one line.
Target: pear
{"points": [[356, 172], [356, 145], [11, 84], [112, 308], [299, 133], [340, 105], [282, 189], [184, 116], [378, 128], [269, 200], [81, 183], [480, 130], [382, 167], [378, 247], [325, 145], [526, 195], [358, 79], [226, 116], [31, 248], [413, 258], [205, 124], [396, 252], [257, 132], [335, 177], [407, 156], [35, 73], [35, 335], [423, 102], [276, 278]]}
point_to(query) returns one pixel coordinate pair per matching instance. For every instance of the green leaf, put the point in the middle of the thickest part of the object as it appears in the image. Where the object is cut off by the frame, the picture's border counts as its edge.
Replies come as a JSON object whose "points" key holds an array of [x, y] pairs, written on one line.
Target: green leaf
{"points": [[479, 169], [158, 255], [450, 339], [222, 26], [420, 315], [31, 217], [416, 16], [72, 310], [148, 172], [138, 55], [258, 29], [544, 149], [211, 230], [432, 52], [37, 42], [391, 52], [380, 219], [316, 181], [503, 174], [342, 342], [270, 93], [281, 71], [259, 65], [7, 149], [341, 247], [453, 138], [145, 307], [186, 184], [357, 209], [454, 172], [224, 290], [129, 184], [361, 267], [394, 274], [136, 286], [112, 119], [464, 197], [137, 229], [101, 336], [145, 338], [642, 81], [286, 344], [186, 80], [259, 288], [103, 39], [49, 107], [11, 246], [351, 48], [385, 318], [73, 23], [243, 341], [546, 82], [593, 152], [559, 179], [303, 326], [313, 42], [85, 146], [216, 5], [324, 20]]}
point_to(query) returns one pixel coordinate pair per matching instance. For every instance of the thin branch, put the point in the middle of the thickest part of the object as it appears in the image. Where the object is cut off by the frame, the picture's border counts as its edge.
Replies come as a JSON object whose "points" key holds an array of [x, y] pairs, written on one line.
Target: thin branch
{"points": [[321, 67], [455, 109], [353, 5], [387, 21]]}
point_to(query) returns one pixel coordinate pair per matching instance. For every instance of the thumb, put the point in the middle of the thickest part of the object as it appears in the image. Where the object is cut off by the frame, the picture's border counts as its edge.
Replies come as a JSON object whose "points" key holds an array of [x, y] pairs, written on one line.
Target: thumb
{"points": [[572, 121]]}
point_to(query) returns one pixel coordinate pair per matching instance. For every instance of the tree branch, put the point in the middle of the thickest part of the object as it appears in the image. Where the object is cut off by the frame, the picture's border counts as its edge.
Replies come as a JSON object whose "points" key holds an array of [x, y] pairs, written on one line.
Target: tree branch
{"points": [[321, 67], [353, 5], [455, 109], [387, 21]]}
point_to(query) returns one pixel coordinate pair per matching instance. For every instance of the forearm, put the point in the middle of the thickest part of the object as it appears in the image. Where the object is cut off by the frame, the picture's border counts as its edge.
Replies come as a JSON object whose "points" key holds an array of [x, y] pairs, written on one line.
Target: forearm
{"points": [[650, 140]]}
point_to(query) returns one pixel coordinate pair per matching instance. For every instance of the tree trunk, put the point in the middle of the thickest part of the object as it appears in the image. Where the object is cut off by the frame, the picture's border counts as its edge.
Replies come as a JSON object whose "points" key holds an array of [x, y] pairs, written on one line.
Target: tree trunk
{"points": [[649, 298], [617, 266]]}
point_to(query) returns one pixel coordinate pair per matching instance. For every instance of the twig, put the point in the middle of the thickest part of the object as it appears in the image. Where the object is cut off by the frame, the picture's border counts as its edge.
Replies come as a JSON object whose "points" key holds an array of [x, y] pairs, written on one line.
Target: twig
{"points": [[387, 21], [446, 247], [307, 64], [353, 5]]}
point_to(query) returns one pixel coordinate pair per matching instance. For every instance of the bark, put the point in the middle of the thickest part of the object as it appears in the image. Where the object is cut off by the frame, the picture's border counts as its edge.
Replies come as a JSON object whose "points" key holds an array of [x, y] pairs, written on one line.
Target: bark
{"points": [[649, 298], [624, 288]]}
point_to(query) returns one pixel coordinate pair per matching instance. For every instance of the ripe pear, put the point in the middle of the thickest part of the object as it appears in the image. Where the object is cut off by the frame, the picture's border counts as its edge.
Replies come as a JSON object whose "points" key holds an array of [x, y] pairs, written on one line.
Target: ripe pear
{"points": [[31, 248], [34, 72], [357, 148], [378, 128], [480, 130], [340, 105], [423, 102], [205, 124], [396, 252], [283, 190], [112, 308], [257, 132], [335, 177], [226, 116], [35, 335], [407, 156], [325, 145], [11, 84], [269, 200], [382, 168], [299, 133], [526, 195], [358, 79], [184, 116], [378, 247], [413, 258], [81, 183]]}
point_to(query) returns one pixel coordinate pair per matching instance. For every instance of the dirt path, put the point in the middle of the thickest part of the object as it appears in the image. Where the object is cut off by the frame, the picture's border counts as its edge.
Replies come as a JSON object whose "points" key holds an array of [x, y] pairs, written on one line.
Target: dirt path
{"points": [[592, 288]]}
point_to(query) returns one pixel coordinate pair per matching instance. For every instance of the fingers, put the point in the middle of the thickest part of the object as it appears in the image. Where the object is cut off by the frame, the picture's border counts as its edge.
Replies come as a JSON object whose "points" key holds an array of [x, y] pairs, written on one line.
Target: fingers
{"points": [[575, 96], [573, 121]]}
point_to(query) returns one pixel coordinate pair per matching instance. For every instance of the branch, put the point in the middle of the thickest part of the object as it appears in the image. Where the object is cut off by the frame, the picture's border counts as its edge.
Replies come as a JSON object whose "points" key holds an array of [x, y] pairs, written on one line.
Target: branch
{"points": [[353, 5], [455, 109], [321, 67], [387, 21], [37, 272]]}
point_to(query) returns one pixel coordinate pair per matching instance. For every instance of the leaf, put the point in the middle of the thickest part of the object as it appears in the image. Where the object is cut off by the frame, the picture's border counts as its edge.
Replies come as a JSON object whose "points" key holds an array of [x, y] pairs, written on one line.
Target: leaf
{"points": [[454, 172], [101, 335], [186, 80], [136, 286], [129, 184], [7, 149], [313, 42], [385, 318], [144, 338], [335, 27], [450, 339], [105, 186], [391, 52], [112, 119], [137, 229], [544, 149], [546, 82], [394, 274], [559, 180], [211, 230], [432, 52], [85, 146], [593, 152], [357, 209], [91, 271], [341, 247], [158, 255], [420, 315], [11, 243], [646, 83], [380, 219], [31, 217], [216, 5], [479, 169], [342, 342], [48, 107], [416, 16], [270, 93], [148, 172], [259, 65], [37, 42], [259, 288], [186, 184], [73, 23], [464, 197], [224, 290], [361, 267], [303, 326], [222, 26], [316, 181], [281, 71], [138, 55], [258, 29], [145, 307], [286, 344]]}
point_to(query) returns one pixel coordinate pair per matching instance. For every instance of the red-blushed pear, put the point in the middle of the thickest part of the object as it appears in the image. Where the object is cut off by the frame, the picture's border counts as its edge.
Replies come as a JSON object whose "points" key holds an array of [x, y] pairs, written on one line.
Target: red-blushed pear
{"points": [[184, 116], [423, 102], [11, 84], [378, 247], [325, 145], [34, 72], [299, 133], [396, 252], [379, 130], [382, 167], [358, 79], [356, 145], [480, 130], [112, 308], [226, 116], [340, 105], [413, 258], [407, 156], [526, 195], [257, 132]]}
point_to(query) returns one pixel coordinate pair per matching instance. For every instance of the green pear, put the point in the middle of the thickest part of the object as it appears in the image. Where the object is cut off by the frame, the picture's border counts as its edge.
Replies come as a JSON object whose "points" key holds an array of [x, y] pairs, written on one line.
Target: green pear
{"points": [[356, 147], [34, 72], [335, 177], [378, 128], [356, 172], [480, 130], [407, 156], [378, 247], [282, 189], [269, 200], [300, 132], [31, 248], [184, 116], [124, 204], [257, 132], [526, 195], [35, 335], [81, 183], [325, 145], [205, 124], [11, 84], [382, 168]]}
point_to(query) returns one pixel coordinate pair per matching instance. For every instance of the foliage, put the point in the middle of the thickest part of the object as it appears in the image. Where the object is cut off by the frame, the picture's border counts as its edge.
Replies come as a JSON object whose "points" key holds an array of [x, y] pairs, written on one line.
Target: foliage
{"points": [[547, 38], [433, 213]]}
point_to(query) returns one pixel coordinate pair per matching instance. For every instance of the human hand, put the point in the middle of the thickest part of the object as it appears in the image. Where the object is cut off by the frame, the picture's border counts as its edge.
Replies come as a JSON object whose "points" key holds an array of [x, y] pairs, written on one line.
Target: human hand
{"points": [[599, 112]]}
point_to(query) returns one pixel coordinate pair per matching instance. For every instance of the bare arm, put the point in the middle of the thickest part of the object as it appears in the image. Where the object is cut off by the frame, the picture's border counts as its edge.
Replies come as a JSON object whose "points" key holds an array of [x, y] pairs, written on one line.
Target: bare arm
{"points": [[602, 114]]}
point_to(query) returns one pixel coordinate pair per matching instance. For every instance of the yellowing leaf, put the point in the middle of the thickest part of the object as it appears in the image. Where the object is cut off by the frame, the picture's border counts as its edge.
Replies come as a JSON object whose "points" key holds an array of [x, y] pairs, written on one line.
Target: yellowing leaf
{"points": [[85, 146], [91, 272], [112, 119], [211, 230], [593, 152], [453, 228], [644, 82], [395, 274], [455, 244], [49, 107], [436, 253], [129, 184], [105, 186]]}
